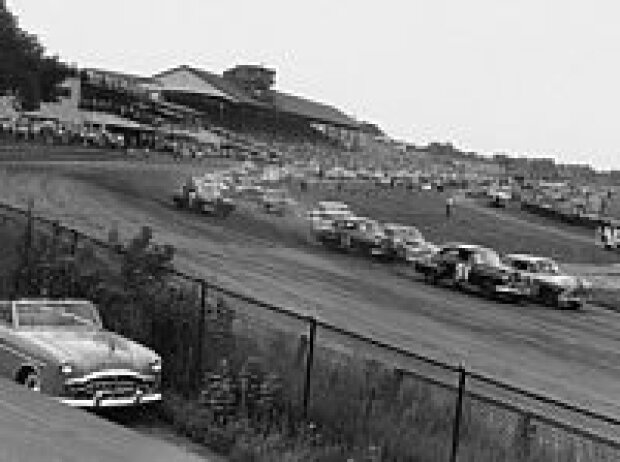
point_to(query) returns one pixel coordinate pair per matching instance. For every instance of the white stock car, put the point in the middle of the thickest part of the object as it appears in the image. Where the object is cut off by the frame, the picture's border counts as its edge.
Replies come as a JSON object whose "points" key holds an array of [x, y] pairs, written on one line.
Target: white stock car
{"points": [[548, 284]]}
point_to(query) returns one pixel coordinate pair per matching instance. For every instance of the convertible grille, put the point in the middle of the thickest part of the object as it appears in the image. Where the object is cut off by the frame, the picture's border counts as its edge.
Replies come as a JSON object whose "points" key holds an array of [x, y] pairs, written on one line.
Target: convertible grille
{"points": [[116, 387]]}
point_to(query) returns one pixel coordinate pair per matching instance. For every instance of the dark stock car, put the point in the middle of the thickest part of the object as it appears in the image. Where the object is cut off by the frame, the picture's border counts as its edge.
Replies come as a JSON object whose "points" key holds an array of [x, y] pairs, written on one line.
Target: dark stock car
{"points": [[473, 268]]}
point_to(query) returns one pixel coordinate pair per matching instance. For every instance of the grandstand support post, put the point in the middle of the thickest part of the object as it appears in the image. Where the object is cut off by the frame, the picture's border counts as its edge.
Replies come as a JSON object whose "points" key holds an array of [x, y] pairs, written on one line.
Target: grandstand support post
{"points": [[27, 246], [309, 361], [29, 227], [456, 431], [74, 241], [201, 334]]}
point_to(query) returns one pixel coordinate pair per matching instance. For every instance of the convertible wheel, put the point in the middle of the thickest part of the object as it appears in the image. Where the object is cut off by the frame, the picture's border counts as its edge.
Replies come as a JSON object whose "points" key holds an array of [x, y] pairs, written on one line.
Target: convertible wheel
{"points": [[33, 381], [429, 278]]}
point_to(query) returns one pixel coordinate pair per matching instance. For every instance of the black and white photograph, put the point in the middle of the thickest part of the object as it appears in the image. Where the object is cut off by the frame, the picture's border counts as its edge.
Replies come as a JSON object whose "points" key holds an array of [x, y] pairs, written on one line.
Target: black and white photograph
{"points": [[309, 231]]}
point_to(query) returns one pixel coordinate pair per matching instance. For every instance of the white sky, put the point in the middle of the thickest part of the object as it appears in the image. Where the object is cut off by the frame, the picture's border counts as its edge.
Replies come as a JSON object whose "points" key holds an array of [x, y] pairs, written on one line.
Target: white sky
{"points": [[536, 77]]}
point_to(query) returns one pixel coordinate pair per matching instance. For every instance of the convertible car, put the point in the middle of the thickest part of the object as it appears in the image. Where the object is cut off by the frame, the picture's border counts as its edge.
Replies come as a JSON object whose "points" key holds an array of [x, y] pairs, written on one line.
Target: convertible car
{"points": [[59, 348]]}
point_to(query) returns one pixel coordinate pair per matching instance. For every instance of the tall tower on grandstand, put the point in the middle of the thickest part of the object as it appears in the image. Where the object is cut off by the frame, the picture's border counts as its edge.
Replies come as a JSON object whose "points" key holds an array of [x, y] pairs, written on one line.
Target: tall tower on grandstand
{"points": [[253, 79]]}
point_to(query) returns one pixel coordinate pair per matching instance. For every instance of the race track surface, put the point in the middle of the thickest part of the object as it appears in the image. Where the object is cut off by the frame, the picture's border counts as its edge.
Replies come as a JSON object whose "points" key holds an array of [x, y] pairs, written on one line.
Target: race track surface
{"points": [[571, 355], [33, 428]]}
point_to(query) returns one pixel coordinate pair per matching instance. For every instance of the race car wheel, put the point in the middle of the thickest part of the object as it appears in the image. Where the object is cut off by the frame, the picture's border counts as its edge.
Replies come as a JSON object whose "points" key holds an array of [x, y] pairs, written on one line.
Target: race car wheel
{"points": [[430, 278], [488, 290], [549, 298]]}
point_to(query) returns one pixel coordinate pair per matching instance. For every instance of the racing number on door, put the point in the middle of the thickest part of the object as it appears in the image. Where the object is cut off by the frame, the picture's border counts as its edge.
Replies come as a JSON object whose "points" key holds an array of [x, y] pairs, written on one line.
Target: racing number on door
{"points": [[462, 272]]}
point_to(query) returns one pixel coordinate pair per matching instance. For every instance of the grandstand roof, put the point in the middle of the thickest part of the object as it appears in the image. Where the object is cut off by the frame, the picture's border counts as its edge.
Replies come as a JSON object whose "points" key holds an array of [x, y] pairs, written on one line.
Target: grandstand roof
{"points": [[311, 110], [120, 75], [208, 84], [280, 101]]}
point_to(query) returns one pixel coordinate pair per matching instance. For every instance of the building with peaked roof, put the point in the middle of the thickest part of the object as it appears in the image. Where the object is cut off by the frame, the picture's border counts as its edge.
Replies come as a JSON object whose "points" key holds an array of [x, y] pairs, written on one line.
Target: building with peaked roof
{"points": [[244, 95]]}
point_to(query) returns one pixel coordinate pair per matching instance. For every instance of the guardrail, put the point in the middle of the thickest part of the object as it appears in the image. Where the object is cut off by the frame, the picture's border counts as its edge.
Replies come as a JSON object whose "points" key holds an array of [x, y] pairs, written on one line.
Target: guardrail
{"points": [[472, 385]]}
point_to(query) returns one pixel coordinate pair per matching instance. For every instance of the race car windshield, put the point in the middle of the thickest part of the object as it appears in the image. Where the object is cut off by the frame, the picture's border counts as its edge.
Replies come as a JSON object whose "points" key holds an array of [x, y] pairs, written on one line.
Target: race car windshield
{"points": [[489, 258], [57, 314]]}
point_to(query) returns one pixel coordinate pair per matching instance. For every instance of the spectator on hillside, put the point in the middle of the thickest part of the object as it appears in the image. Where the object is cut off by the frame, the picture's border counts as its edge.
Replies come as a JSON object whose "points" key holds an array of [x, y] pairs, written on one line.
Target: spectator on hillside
{"points": [[449, 205]]}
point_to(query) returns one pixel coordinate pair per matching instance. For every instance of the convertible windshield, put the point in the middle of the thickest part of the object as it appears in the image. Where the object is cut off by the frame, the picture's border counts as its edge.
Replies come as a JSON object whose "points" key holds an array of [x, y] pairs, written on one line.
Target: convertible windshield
{"points": [[56, 314]]}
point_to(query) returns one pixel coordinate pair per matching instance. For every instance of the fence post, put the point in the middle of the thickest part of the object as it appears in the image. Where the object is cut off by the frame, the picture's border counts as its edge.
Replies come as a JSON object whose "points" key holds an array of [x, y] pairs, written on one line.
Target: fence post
{"points": [[524, 437], [458, 414], [309, 361], [201, 334], [74, 241]]}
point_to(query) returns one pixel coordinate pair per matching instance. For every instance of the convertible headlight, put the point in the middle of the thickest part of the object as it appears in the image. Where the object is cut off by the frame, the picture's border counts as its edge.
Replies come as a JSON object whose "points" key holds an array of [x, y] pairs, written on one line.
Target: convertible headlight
{"points": [[156, 366], [66, 369], [584, 284], [504, 277]]}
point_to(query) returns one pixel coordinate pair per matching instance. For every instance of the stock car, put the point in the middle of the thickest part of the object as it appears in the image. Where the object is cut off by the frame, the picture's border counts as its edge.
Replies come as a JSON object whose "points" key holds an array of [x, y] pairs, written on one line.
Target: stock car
{"points": [[60, 348], [406, 243], [473, 268], [361, 234], [548, 284]]}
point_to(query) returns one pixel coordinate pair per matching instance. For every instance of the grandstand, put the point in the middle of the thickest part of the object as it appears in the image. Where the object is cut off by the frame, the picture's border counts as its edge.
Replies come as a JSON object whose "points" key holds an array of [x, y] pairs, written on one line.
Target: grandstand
{"points": [[243, 99]]}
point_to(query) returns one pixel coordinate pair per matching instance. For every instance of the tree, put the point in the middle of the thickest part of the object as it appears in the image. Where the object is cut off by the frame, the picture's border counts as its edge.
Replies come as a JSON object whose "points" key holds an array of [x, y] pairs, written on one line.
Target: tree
{"points": [[25, 70]]}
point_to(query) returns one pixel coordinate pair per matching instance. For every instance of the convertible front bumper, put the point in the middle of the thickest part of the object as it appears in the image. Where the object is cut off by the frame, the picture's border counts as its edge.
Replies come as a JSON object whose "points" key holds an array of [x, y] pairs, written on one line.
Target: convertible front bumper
{"points": [[104, 402]]}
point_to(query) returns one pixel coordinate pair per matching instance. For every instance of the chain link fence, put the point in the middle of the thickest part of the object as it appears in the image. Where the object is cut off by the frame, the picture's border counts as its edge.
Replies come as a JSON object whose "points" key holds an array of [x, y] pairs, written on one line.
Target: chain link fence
{"points": [[280, 369]]}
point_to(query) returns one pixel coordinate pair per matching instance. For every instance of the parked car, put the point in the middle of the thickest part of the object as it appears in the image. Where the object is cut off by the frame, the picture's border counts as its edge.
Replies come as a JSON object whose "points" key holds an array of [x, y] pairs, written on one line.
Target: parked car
{"points": [[275, 201], [60, 348], [333, 206], [114, 140], [473, 268], [548, 284], [499, 199], [607, 234]]}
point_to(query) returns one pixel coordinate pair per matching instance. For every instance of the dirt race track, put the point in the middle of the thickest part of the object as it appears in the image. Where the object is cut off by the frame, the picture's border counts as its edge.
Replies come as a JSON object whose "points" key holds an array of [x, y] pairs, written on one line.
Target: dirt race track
{"points": [[571, 355], [36, 429]]}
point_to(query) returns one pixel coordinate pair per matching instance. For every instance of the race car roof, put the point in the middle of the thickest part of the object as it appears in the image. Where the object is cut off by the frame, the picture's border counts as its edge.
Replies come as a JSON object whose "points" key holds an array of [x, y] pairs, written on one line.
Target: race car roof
{"points": [[528, 257]]}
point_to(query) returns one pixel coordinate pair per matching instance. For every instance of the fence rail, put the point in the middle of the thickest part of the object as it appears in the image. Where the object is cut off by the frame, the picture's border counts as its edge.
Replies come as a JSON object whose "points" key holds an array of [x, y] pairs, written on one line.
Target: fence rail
{"points": [[462, 385]]}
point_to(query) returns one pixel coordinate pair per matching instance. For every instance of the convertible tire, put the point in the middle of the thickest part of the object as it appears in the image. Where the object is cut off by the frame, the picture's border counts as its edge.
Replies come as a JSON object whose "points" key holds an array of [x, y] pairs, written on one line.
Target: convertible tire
{"points": [[32, 381]]}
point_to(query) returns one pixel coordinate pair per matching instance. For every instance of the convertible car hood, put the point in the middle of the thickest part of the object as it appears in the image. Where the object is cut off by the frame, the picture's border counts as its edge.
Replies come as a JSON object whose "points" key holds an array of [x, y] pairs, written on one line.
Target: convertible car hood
{"points": [[89, 349]]}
